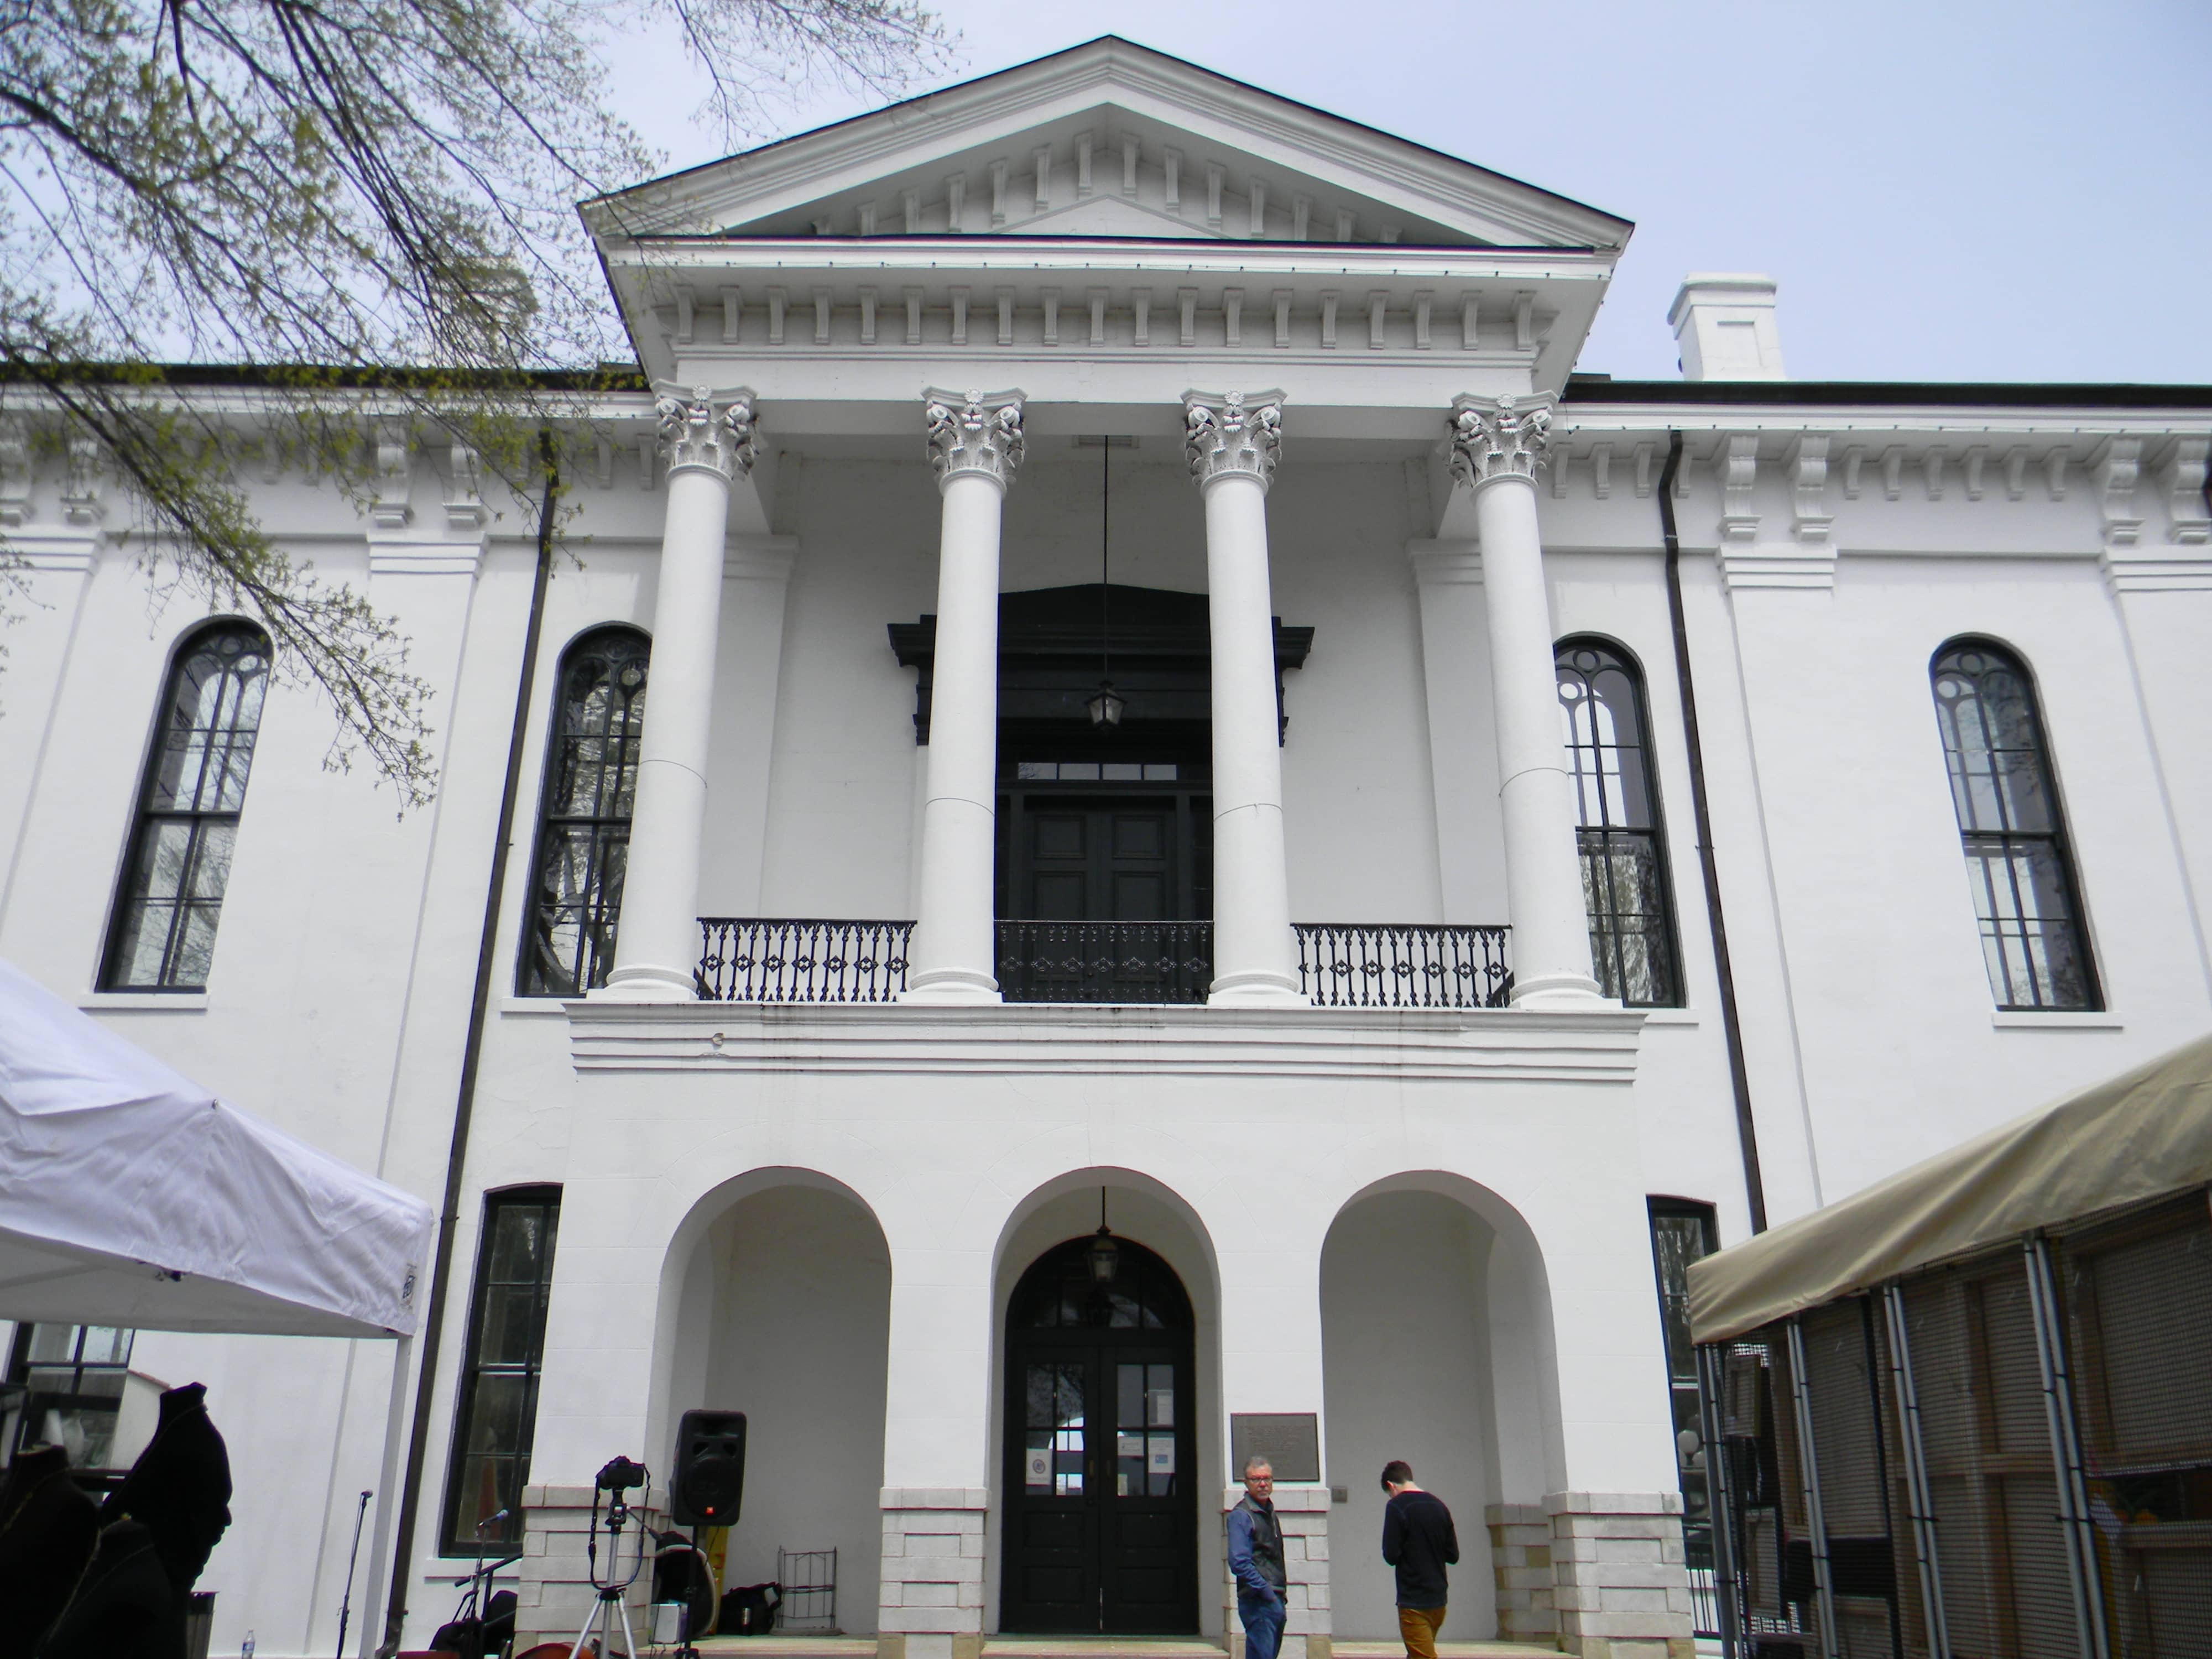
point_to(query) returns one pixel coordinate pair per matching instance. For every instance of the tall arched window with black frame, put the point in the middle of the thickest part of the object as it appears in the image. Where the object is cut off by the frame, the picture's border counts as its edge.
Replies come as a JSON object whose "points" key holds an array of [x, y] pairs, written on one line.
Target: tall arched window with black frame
{"points": [[2012, 829], [1624, 882], [161, 935], [584, 813]]}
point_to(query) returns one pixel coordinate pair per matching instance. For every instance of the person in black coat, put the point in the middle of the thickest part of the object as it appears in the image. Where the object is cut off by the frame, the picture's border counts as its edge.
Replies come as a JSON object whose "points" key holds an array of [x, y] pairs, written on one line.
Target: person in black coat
{"points": [[158, 1529], [48, 1528]]}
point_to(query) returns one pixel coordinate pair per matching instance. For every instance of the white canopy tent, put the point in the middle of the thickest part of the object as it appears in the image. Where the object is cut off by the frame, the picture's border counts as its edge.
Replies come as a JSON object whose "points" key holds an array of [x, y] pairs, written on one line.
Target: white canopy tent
{"points": [[2142, 1134], [131, 1197]]}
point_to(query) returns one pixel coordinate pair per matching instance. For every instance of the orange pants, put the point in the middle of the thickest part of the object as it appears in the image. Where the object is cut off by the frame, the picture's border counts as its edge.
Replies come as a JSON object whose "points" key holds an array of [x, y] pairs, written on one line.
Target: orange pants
{"points": [[1418, 1626]]}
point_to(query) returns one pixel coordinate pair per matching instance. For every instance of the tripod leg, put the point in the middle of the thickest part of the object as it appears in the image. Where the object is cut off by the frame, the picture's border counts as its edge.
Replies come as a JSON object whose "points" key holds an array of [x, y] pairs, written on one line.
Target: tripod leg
{"points": [[630, 1642], [596, 1616]]}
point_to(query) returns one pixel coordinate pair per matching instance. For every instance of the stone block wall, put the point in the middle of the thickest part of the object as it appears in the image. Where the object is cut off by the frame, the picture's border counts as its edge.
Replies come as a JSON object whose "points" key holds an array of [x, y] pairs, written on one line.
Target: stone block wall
{"points": [[1620, 1585], [1307, 1626], [1520, 1559], [930, 1605], [555, 1594]]}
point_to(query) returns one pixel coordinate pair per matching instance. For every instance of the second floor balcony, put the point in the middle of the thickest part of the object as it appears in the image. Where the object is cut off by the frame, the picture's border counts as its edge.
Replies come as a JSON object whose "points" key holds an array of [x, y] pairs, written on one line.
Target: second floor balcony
{"points": [[1340, 964]]}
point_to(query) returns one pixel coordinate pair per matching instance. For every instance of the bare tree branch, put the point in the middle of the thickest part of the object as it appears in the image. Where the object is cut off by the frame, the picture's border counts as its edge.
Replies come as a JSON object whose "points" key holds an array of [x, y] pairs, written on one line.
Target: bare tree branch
{"points": [[342, 195]]}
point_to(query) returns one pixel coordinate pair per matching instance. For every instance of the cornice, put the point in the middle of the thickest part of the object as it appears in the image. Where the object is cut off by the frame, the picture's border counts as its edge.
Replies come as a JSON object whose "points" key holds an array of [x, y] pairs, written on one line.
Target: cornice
{"points": [[1595, 1048], [2053, 421], [943, 256]]}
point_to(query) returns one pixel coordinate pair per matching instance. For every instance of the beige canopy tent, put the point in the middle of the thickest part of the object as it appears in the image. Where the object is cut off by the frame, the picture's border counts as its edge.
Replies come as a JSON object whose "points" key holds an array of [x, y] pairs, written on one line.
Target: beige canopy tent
{"points": [[2142, 1134]]}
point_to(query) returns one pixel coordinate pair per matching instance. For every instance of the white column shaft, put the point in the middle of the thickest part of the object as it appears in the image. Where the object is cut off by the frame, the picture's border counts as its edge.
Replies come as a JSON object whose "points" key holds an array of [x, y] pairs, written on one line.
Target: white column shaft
{"points": [[657, 947], [1253, 957], [953, 953], [1543, 870]]}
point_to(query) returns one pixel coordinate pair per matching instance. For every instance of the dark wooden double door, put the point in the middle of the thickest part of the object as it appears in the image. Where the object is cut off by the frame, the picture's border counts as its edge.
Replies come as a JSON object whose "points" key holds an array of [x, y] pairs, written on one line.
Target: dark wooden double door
{"points": [[1100, 1490], [1103, 896], [1132, 855]]}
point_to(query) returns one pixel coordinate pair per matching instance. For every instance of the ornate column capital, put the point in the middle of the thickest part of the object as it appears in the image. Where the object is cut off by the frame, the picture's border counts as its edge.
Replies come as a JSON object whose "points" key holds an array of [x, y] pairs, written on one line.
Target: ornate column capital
{"points": [[978, 432], [1495, 438], [1237, 434], [701, 427]]}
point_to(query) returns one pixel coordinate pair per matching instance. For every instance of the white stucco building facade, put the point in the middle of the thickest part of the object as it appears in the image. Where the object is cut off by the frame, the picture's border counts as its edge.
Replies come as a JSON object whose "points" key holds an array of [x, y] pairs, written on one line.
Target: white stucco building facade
{"points": [[1310, 390]]}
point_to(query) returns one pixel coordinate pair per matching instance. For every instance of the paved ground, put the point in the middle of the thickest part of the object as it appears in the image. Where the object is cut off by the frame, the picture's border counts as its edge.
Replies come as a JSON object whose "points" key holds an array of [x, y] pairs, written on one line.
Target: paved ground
{"points": [[1067, 1647]]}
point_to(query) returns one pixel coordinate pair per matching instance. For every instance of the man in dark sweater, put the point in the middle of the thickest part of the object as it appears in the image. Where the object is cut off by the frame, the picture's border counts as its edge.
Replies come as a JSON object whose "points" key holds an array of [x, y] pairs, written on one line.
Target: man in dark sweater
{"points": [[1420, 1540]]}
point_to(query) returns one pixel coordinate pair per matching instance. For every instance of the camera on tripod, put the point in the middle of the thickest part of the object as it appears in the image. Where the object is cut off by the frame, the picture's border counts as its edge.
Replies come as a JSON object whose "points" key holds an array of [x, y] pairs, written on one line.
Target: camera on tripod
{"points": [[616, 1476], [622, 1475]]}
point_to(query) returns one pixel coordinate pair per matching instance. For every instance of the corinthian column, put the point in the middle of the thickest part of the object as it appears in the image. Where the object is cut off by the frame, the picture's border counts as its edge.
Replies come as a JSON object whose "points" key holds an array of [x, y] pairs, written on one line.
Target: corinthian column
{"points": [[975, 444], [1231, 443], [1496, 444], [706, 441]]}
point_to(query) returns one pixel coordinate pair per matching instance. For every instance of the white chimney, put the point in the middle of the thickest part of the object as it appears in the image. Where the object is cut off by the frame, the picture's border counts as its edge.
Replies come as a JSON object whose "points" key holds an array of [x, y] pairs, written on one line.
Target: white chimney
{"points": [[1724, 327]]}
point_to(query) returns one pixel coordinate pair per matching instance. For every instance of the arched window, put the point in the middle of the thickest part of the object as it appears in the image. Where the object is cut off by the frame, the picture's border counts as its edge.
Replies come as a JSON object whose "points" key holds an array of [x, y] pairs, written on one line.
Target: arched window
{"points": [[2014, 833], [161, 936], [583, 814], [1625, 886]]}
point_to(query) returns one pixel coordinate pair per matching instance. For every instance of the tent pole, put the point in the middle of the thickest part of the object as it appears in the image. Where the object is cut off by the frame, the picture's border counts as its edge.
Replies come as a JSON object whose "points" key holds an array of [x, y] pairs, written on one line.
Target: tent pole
{"points": [[1808, 1473], [2066, 1458], [395, 1442]]}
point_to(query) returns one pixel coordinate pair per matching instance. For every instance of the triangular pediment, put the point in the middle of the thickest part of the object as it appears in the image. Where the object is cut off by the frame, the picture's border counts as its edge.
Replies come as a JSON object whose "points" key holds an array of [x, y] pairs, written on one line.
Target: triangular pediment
{"points": [[1108, 139]]}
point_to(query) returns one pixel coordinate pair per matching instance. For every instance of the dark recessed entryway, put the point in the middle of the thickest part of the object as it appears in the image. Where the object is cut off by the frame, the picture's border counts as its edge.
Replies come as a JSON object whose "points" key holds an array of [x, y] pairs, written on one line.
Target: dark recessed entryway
{"points": [[1105, 846], [1101, 1534]]}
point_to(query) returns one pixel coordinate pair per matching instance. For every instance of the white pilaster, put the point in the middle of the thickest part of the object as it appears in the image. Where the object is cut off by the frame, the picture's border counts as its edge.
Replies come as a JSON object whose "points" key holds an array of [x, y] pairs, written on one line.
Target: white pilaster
{"points": [[975, 444], [706, 441], [1231, 443], [1496, 444]]}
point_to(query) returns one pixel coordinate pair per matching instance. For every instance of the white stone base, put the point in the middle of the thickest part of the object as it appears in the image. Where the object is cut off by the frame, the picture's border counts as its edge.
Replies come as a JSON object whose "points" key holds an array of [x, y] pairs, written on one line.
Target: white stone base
{"points": [[931, 1604], [556, 1594], [1599, 1573], [1303, 1512]]}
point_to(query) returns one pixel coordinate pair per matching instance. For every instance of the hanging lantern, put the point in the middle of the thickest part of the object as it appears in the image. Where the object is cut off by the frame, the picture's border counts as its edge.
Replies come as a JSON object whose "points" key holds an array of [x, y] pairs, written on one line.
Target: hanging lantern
{"points": [[1105, 705], [1105, 1254]]}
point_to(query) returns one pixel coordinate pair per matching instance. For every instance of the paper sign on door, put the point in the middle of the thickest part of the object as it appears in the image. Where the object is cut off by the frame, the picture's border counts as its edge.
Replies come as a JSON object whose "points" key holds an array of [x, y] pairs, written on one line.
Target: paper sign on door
{"points": [[1040, 1467]]}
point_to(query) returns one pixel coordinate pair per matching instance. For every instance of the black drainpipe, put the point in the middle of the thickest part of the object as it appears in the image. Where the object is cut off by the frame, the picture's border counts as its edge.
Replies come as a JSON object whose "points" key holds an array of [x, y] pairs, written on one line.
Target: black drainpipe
{"points": [[434, 1319], [1731, 1027]]}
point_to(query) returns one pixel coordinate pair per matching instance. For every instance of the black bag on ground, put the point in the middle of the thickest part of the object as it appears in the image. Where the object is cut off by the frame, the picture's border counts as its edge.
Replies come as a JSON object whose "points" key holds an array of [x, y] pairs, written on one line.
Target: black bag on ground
{"points": [[749, 1610]]}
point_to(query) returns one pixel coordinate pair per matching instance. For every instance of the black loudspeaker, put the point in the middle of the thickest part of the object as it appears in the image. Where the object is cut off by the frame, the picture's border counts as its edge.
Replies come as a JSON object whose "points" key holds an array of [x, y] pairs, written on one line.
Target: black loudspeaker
{"points": [[709, 1487]]}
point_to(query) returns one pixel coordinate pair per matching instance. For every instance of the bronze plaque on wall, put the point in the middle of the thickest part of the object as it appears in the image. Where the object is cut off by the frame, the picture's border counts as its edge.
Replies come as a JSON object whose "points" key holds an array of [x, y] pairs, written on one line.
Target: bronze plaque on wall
{"points": [[1291, 1441]]}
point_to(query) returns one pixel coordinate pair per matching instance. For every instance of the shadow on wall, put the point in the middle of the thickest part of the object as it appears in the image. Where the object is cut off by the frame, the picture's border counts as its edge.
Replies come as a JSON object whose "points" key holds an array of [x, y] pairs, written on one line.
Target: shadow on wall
{"points": [[785, 1315]]}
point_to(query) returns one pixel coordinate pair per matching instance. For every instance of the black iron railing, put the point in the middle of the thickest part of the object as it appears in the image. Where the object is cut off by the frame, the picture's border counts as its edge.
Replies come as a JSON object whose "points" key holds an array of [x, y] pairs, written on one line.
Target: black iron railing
{"points": [[1402, 965], [1340, 964], [771, 959], [1105, 960]]}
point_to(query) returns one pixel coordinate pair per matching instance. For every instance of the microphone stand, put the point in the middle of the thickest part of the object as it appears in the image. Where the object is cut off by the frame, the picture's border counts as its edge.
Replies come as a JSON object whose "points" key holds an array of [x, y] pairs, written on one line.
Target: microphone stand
{"points": [[345, 1604]]}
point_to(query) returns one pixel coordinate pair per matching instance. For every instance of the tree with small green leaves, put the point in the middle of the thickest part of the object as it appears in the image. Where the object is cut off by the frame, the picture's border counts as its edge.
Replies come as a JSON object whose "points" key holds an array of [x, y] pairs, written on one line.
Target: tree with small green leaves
{"points": [[364, 211]]}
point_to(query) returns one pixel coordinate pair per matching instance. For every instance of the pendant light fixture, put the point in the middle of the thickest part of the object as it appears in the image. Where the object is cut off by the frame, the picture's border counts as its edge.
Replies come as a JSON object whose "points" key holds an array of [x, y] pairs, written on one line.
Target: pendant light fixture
{"points": [[1105, 706], [1105, 1252]]}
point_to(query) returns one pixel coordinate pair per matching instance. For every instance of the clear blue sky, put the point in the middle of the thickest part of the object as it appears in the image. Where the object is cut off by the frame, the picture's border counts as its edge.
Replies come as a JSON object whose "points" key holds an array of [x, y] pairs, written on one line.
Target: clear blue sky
{"points": [[1949, 190]]}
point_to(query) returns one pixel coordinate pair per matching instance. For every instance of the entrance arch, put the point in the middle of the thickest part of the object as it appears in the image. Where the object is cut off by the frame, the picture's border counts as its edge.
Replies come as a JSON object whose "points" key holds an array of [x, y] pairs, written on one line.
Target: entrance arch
{"points": [[1100, 1476], [1435, 1347], [777, 1301]]}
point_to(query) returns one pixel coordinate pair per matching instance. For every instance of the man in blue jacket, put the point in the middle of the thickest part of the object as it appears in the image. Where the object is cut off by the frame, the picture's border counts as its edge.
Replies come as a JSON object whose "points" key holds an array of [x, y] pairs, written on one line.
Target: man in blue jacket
{"points": [[1256, 1561]]}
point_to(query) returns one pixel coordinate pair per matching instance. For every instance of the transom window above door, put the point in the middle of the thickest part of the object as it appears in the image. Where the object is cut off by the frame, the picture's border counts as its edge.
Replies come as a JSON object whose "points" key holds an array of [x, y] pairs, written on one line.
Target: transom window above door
{"points": [[1091, 771]]}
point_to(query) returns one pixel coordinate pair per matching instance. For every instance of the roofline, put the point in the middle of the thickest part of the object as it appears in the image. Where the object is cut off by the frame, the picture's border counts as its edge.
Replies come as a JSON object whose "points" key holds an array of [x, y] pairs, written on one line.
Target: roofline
{"points": [[1627, 225], [1586, 390]]}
